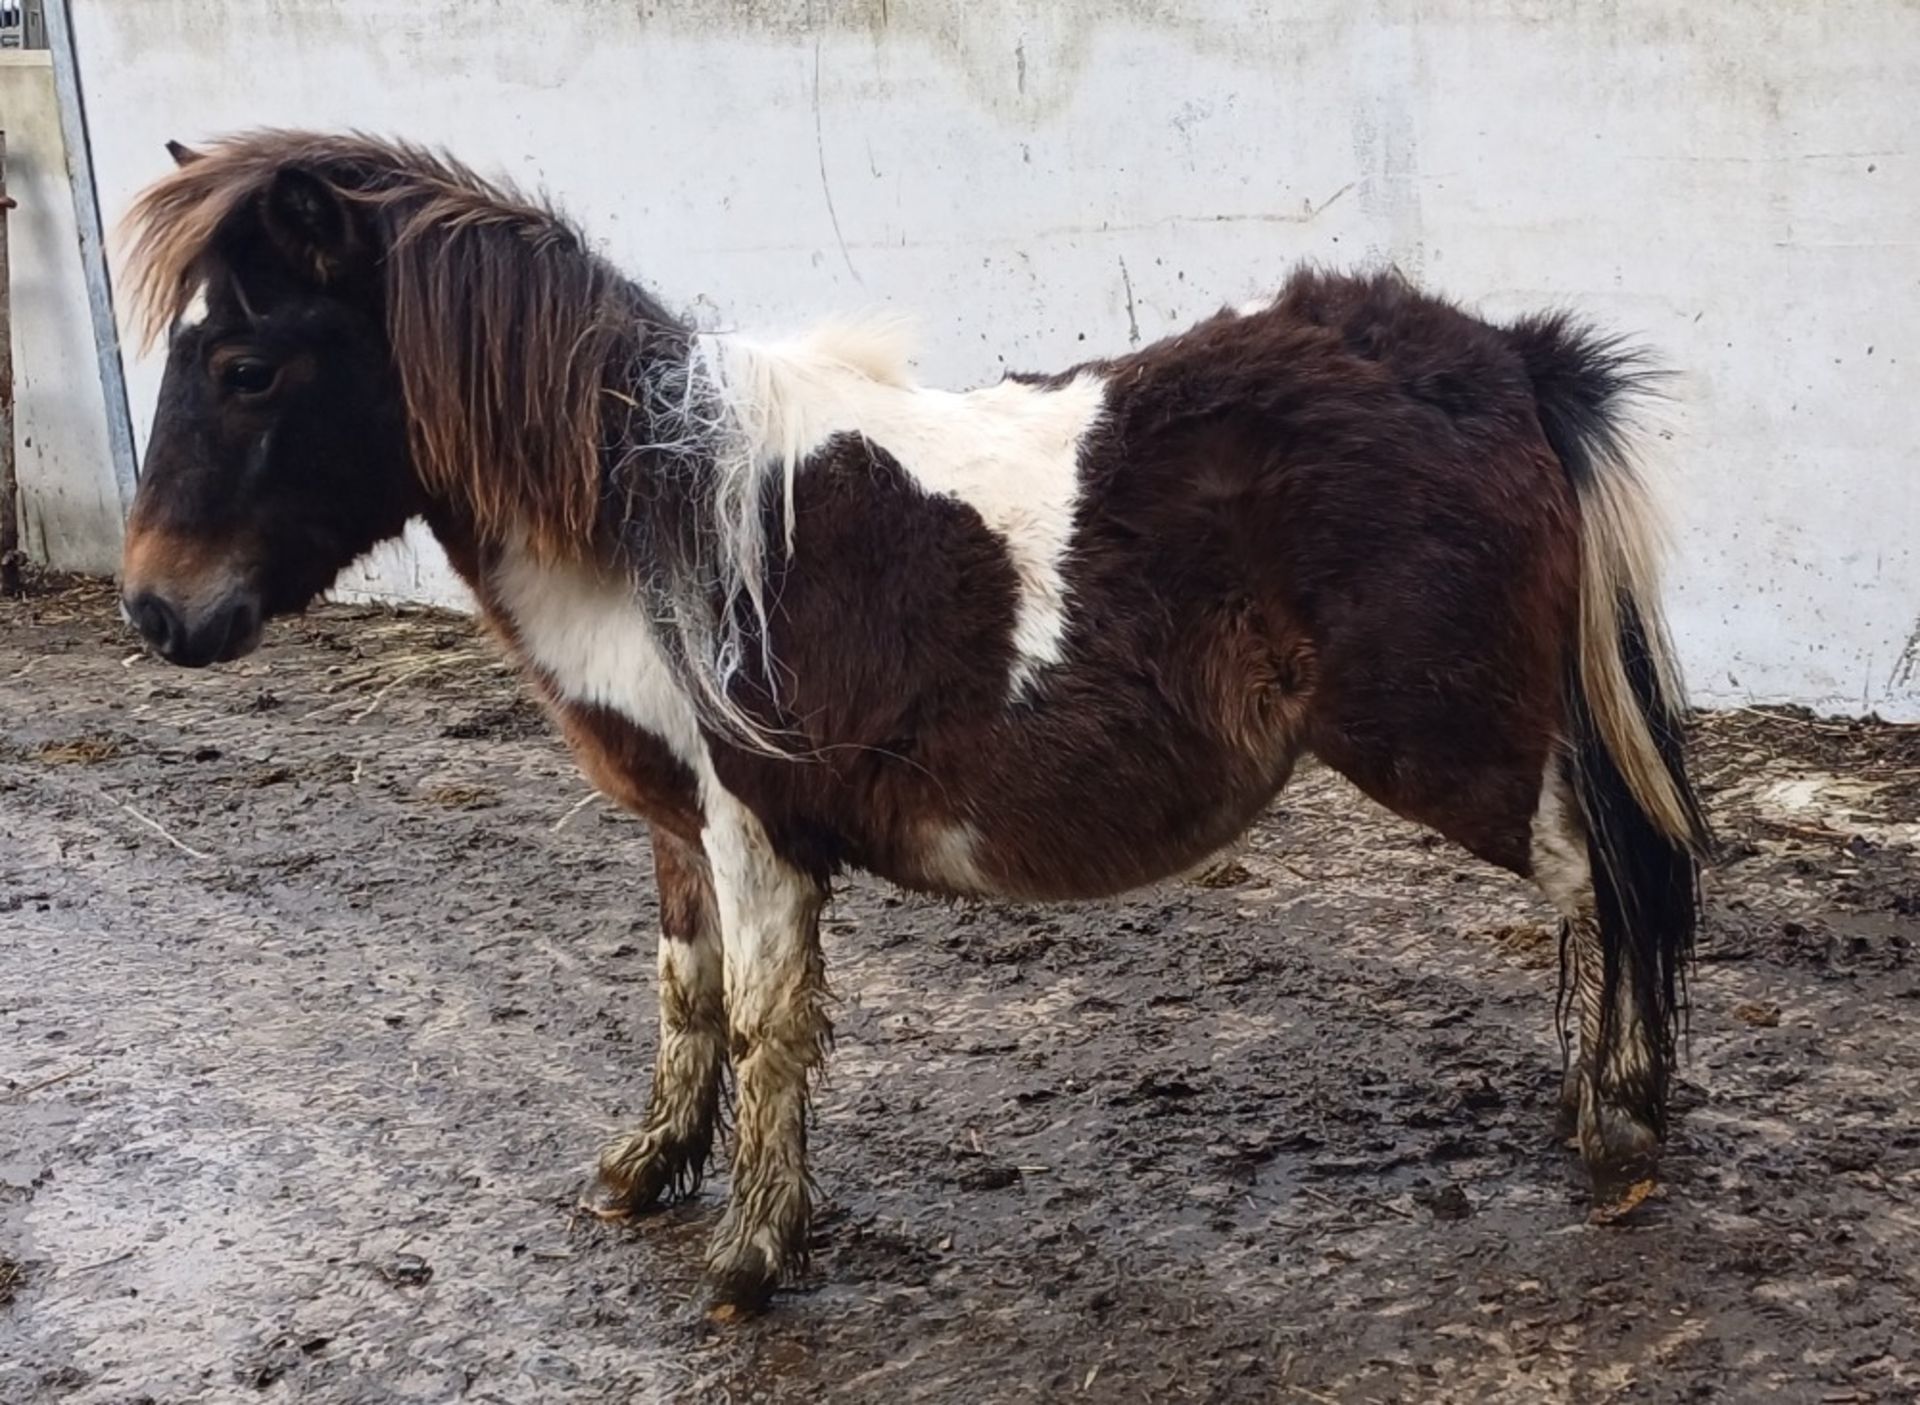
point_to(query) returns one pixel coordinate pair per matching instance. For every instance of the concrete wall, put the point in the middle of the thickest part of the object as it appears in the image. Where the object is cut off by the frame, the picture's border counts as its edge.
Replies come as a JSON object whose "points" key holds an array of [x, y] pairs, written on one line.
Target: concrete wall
{"points": [[1735, 181], [70, 505]]}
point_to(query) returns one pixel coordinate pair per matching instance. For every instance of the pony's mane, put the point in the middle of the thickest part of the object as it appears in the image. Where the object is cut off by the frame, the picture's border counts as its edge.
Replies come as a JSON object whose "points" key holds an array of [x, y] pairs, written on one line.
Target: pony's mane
{"points": [[506, 331]]}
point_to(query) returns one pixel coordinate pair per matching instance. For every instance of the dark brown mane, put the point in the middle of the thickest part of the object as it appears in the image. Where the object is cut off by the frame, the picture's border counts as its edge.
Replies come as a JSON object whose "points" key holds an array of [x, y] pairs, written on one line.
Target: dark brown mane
{"points": [[505, 330]]}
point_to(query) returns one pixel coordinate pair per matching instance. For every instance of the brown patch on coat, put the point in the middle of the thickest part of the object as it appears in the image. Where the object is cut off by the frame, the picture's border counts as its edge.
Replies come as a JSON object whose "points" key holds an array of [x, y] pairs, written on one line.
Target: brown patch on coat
{"points": [[687, 911], [184, 567], [629, 765], [1254, 681]]}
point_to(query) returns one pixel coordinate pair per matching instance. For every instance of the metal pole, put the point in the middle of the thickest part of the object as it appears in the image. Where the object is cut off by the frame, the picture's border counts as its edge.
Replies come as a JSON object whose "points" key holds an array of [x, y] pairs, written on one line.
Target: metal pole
{"points": [[9, 483], [93, 256]]}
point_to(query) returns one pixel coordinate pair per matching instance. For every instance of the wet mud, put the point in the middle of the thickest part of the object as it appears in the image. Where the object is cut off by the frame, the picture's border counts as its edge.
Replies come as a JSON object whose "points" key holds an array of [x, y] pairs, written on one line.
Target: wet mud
{"points": [[322, 976]]}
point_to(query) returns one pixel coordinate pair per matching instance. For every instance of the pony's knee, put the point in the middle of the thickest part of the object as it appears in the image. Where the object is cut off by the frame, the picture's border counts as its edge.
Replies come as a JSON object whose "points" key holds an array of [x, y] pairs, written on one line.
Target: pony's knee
{"points": [[775, 975], [692, 983], [693, 1018]]}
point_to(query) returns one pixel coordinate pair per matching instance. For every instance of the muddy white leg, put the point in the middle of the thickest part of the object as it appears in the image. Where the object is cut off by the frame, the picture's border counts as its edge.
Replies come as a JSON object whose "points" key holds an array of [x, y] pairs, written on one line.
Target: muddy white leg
{"points": [[1610, 1098], [1614, 1096], [667, 1154], [778, 1031]]}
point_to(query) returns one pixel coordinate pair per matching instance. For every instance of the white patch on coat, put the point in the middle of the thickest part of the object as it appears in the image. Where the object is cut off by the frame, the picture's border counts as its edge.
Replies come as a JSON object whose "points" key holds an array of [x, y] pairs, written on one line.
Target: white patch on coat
{"points": [[1254, 306], [588, 633], [949, 860], [1011, 452], [197, 309], [1559, 848], [767, 913]]}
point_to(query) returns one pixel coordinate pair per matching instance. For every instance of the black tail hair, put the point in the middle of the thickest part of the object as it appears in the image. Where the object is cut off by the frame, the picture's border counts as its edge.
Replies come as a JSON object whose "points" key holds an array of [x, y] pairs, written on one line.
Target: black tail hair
{"points": [[1645, 857], [1646, 884]]}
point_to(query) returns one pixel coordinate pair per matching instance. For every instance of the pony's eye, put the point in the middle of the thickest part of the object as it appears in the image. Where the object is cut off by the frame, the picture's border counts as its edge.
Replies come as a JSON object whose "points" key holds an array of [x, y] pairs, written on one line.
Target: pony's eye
{"points": [[249, 376]]}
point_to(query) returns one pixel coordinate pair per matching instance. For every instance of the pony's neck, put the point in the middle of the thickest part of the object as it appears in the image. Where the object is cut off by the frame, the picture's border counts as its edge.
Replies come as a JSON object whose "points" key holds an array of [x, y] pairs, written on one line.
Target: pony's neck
{"points": [[522, 357], [569, 484]]}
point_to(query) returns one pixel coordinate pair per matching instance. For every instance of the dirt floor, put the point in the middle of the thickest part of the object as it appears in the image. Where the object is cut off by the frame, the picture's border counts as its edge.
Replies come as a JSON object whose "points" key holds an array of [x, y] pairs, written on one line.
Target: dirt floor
{"points": [[323, 975]]}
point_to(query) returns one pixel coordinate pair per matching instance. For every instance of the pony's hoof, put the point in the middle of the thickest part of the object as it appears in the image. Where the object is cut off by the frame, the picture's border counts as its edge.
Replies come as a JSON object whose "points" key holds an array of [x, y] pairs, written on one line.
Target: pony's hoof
{"points": [[1620, 1199], [640, 1172], [1622, 1152], [740, 1284], [603, 1207]]}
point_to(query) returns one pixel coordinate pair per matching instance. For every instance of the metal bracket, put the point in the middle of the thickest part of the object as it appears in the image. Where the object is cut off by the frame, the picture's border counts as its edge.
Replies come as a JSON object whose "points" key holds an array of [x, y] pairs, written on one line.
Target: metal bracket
{"points": [[93, 255]]}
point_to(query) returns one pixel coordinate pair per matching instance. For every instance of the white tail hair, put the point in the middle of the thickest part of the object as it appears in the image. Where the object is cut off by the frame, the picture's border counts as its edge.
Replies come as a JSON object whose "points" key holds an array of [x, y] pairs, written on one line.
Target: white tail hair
{"points": [[1622, 540], [1583, 383]]}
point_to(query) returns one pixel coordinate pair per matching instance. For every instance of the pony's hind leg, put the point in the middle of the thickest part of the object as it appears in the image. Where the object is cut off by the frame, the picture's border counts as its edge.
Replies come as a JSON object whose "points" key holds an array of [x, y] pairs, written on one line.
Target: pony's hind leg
{"points": [[667, 1154], [778, 1032], [1485, 792], [1610, 1099]]}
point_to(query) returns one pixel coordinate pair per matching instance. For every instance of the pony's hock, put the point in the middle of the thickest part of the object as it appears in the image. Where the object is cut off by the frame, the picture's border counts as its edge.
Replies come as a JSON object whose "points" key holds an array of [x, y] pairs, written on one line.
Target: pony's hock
{"points": [[1049, 639]]}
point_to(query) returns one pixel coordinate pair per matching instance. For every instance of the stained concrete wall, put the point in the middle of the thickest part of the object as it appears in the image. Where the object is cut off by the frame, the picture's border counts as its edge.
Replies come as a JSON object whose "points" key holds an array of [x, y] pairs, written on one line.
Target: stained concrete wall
{"points": [[1736, 182], [70, 504]]}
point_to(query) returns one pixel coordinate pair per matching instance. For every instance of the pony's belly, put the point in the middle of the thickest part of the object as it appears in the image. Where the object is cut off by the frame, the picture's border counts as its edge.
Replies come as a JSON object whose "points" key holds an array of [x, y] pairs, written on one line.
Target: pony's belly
{"points": [[1022, 859]]}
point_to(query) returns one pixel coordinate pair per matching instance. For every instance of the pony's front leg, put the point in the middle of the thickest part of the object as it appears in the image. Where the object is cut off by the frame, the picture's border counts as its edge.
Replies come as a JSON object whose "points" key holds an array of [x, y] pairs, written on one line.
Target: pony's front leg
{"points": [[667, 1154], [776, 989]]}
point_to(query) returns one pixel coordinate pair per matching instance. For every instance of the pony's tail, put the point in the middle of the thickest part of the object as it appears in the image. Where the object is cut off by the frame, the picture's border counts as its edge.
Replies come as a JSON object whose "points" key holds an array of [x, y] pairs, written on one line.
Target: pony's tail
{"points": [[1646, 835]]}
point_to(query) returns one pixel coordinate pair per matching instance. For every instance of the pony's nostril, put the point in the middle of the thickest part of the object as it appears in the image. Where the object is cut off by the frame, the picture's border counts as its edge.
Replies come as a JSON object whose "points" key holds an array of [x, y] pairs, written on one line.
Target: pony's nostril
{"points": [[158, 622], [242, 627], [213, 634]]}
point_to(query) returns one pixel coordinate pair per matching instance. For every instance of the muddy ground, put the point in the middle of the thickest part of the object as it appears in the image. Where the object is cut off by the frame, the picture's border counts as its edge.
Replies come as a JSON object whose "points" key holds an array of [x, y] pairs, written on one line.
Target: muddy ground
{"points": [[322, 976]]}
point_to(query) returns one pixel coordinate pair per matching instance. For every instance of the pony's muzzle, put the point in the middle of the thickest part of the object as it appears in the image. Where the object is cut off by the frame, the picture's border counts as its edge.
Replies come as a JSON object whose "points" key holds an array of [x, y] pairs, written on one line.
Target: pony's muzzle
{"points": [[194, 637]]}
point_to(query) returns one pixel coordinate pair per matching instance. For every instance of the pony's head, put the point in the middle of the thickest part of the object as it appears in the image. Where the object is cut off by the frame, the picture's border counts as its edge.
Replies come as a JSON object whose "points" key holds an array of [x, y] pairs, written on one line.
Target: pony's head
{"points": [[279, 445], [357, 331]]}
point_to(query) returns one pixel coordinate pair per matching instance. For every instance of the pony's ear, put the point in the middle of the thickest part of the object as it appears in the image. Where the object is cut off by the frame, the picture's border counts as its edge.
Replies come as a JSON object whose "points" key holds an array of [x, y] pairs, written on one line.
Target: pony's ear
{"points": [[182, 154], [311, 224]]}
